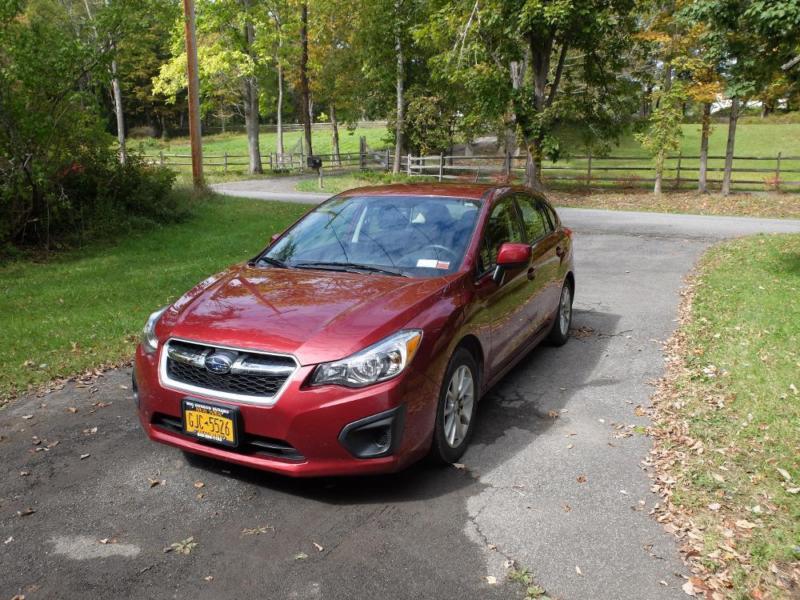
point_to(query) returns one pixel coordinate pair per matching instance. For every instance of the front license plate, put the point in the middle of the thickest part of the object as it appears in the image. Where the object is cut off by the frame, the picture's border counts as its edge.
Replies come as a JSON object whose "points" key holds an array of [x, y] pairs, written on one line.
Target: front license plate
{"points": [[211, 422]]}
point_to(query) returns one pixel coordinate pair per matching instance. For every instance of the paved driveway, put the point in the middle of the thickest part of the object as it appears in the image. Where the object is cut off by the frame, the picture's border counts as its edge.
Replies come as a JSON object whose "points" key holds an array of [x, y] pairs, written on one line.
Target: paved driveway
{"points": [[553, 480]]}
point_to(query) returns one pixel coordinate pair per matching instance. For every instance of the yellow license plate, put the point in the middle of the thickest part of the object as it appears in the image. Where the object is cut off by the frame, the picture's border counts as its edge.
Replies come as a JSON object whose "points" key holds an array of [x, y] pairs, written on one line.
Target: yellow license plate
{"points": [[210, 422]]}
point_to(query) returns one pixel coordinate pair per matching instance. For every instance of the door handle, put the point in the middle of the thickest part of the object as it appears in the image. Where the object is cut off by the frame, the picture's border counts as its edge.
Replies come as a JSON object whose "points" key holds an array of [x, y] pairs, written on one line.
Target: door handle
{"points": [[531, 273]]}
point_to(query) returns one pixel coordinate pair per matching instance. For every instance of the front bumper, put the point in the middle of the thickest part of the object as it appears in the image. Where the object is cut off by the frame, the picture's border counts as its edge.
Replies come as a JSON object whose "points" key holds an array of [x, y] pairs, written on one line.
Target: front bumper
{"points": [[315, 422]]}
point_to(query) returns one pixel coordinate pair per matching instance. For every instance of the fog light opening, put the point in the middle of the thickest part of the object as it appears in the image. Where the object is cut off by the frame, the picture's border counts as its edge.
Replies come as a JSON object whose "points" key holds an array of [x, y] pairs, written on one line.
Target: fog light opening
{"points": [[375, 436]]}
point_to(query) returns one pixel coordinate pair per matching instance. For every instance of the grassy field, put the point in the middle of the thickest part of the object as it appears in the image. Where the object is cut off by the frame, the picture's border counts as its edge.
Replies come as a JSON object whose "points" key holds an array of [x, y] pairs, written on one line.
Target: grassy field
{"points": [[85, 308], [753, 140], [728, 419]]}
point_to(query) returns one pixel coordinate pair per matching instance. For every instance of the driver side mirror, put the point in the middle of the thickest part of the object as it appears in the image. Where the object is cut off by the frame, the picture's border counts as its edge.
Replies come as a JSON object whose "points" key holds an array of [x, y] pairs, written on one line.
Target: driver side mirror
{"points": [[512, 255]]}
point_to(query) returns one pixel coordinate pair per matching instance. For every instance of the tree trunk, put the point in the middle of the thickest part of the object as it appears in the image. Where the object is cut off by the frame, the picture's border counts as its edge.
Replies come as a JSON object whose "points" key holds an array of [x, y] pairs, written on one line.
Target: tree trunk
{"points": [[541, 50], [659, 172], [335, 136], [304, 89], [279, 118], [251, 110], [728, 174], [399, 85], [702, 184], [115, 87]]}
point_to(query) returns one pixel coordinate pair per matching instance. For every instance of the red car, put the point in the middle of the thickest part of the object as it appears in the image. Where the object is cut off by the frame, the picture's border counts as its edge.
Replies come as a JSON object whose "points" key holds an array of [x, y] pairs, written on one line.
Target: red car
{"points": [[361, 339]]}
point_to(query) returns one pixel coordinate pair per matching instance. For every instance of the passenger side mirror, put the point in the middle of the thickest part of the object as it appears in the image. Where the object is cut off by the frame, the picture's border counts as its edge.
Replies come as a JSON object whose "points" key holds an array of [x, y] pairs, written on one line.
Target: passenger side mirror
{"points": [[512, 255]]}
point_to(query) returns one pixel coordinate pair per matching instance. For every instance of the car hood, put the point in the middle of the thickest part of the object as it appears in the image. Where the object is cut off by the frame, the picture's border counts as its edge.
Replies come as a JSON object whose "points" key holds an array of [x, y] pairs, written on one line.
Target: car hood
{"points": [[317, 316]]}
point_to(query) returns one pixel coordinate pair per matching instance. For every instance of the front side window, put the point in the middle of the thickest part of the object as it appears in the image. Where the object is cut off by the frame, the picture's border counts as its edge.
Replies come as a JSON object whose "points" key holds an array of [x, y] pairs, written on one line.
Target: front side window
{"points": [[402, 235], [537, 223], [501, 227]]}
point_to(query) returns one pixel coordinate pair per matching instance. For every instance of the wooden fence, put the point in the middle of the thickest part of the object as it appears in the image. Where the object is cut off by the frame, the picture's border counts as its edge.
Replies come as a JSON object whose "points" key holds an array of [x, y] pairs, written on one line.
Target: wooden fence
{"points": [[625, 171], [749, 172]]}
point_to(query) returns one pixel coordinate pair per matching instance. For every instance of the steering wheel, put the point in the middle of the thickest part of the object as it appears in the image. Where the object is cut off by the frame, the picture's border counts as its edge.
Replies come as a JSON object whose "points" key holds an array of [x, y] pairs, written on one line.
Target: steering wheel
{"points": [[440, 248]]}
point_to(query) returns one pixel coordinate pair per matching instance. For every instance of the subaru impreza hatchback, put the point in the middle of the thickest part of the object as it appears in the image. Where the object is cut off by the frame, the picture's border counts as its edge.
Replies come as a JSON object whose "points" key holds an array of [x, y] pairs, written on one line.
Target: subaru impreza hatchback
{"points": [[362, 338]]}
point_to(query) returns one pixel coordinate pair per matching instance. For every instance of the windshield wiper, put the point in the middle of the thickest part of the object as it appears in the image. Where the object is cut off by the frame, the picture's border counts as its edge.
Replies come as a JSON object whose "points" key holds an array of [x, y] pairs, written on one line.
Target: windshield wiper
{"points": [[274, 262], [348, 267]]}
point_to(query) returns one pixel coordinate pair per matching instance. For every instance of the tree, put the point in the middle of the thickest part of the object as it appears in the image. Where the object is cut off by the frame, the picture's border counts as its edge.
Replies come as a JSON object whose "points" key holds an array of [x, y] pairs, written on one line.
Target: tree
{"points": [[554, 62], [230, 66], [664, 132]]}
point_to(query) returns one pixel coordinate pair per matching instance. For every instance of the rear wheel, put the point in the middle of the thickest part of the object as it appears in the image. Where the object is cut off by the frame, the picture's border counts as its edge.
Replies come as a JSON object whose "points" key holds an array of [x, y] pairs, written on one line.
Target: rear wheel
{"points": [[559, 334], [455, 413]]}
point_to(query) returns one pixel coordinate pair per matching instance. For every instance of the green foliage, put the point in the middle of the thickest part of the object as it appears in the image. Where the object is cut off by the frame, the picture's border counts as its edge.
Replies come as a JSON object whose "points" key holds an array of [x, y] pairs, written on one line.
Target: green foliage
{"points": [[431, 124], [664, 131], [59, 175]]}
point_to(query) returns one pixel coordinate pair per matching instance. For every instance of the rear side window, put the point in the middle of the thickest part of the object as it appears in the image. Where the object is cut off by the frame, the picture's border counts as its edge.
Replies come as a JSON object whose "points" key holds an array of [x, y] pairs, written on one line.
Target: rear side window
{"points": [[503, 226], [537, 222]]}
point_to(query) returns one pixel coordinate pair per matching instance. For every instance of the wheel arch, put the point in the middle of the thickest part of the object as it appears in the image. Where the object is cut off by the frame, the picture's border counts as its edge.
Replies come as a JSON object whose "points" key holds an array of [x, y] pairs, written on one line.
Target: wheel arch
{"points": [[473, 345]]}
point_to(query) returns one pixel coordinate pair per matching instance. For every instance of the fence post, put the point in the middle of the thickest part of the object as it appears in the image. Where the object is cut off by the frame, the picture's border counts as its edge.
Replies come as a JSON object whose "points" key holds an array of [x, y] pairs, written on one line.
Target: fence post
{"points": [[441, 166], [589, 170], [388, 159], [225, 163], [161, 157], [778, 172], [507, 166], [362, 152], [678, 172], [408, 164]]}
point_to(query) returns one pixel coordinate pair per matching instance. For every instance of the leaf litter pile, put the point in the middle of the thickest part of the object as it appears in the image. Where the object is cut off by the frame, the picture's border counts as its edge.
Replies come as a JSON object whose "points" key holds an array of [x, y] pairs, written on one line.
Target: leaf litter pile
{"points": [[726, 423]]}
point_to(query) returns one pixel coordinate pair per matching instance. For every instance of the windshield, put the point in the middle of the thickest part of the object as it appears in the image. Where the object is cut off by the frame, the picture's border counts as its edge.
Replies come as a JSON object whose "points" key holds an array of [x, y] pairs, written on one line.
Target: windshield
{"points": [[397, 235]]}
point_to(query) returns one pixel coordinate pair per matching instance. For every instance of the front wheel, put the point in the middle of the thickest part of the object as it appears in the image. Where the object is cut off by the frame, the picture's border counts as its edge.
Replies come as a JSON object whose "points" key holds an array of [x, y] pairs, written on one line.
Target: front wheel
{"points": [[559, 334], [455, 413]]}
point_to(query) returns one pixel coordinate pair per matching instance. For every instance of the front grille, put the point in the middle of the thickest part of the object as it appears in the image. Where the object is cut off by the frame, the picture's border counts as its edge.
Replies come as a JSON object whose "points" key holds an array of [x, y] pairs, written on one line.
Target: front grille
{"points": [[252, 375], [250, 444]]}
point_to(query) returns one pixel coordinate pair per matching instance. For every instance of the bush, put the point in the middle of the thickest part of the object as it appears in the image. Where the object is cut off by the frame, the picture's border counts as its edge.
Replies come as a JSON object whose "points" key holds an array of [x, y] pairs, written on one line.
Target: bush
{"points": [[60, 179]]}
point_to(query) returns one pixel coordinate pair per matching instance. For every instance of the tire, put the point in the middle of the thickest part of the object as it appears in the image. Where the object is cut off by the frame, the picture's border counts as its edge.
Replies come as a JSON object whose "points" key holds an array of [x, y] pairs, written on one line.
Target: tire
{"points": [[559, 333], [451, 435]]}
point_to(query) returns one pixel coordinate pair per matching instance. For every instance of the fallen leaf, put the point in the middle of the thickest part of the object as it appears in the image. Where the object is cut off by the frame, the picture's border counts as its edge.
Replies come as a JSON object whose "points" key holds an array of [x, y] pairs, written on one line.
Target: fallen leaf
{"points": [[688, 588], [553, 414], [570, 446], [662, 582], [793, 490], [459, 466], [300, 556], [581, 479], [72, 409], [154, 482], [24, 473], [256, 530], [27, 417], [318, 547], [718, 478], [25, 512], [567, 508], [714, 506], [90, 431], [199, 484], [578, 570], [209, 578], [103, 541], [490, 579], [184, 546], [84, 456], [745, 524], [784, 473], [9, 540]]}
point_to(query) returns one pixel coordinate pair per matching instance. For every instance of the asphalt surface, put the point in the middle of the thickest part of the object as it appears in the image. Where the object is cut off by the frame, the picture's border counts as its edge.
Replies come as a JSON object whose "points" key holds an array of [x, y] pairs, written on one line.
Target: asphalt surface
{"points": [[553, 480]]}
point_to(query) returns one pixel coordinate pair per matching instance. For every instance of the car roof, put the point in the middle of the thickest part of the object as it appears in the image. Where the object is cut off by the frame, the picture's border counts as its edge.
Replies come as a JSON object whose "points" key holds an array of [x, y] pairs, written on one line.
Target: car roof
{"points": [[472, 191]]}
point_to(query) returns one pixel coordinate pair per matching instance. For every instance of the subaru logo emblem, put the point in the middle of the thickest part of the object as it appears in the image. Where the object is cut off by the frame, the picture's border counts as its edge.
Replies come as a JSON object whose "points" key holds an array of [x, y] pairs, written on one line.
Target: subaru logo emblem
{"points": [[219, 363]]}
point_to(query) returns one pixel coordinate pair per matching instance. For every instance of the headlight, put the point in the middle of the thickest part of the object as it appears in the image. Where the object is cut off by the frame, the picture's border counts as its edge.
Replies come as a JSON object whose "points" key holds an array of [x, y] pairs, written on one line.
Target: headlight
{"points": [[148, 337], [379, 362]]}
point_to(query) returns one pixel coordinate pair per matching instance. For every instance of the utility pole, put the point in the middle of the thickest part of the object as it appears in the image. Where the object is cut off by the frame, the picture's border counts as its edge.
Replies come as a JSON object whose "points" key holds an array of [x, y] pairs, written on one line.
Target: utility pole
{"points": [[304, 91], [194, 95]]}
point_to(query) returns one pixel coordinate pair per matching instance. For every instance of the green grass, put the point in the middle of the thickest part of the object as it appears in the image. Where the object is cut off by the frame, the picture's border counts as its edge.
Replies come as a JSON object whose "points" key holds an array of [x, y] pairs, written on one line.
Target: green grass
{"points": [[338, 183], [235, 144], [741, 401], [85, 308]]}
